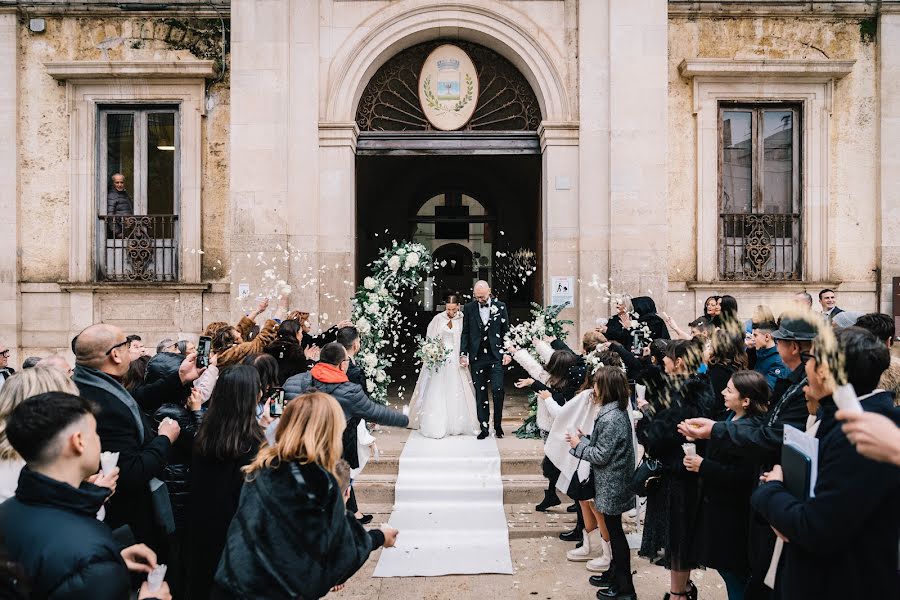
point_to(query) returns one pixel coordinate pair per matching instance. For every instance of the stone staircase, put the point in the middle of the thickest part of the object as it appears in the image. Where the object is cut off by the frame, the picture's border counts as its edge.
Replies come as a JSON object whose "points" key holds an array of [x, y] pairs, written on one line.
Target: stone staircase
{"points": [[520, 469]]}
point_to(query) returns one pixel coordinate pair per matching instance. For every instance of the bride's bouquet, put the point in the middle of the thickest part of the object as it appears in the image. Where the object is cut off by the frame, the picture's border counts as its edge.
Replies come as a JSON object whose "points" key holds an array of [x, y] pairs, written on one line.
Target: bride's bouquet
{"points": [[432, 352]]}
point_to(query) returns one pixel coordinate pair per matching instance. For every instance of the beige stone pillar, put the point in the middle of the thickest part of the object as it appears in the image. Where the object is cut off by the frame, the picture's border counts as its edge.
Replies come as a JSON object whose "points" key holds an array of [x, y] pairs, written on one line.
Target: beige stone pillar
{"points": [[337, 222], [889, 157], [638, 46], [593, 173], [559, 197], [274, 149], [9, 227]]}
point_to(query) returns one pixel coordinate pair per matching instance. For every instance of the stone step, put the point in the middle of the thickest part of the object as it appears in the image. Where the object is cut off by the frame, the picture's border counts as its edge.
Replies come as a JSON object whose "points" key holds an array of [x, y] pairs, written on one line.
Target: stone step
{"points": [[389, 464], [523, 520], [378, 488]]}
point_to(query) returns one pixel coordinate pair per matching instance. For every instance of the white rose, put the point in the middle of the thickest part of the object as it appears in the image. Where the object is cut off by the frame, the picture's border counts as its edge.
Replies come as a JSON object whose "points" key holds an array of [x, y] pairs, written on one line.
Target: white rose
{"points": [[363, 325], [412, 259], [370, 361], [372, 308], [394, 263], [379, 377], [383, 292], [370, 386], [370, 283]]}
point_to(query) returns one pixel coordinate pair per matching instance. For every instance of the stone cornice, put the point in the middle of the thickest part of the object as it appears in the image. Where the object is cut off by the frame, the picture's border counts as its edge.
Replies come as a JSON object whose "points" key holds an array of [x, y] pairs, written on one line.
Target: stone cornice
{"points": [[338, 134], [558, 133], [820, 70], [97, 69], [142, 8], [788, 8]]}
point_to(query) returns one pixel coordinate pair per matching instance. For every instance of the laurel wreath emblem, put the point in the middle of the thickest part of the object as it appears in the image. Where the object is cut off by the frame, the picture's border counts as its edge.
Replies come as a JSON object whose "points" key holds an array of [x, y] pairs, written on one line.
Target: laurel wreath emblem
{"points": [[435, 104]]}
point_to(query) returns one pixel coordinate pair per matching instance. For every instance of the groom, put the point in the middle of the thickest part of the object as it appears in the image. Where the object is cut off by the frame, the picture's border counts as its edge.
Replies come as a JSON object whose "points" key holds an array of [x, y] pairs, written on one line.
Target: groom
{"points": [[485, 325]]}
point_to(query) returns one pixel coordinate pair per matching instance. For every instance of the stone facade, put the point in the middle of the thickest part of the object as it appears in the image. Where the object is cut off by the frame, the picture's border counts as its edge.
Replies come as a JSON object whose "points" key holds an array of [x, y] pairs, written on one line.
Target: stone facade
{"points": [[268, 153]]}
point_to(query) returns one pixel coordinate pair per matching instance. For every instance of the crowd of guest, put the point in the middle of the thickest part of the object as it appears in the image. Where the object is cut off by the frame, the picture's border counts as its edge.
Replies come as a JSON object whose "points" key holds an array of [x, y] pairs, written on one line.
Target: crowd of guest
{"points": [[706, 414], [259, 434], [234, 467]]}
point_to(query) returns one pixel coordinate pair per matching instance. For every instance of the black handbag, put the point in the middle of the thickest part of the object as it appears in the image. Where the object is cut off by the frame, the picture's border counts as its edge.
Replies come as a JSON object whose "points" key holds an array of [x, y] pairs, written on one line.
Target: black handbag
{"points": [[647, 476]]}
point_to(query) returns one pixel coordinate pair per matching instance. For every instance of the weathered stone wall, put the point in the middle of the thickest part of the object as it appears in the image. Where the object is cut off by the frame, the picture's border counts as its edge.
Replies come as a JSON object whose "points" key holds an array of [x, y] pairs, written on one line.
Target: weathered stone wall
{"points": [[852, 212], [44, 127]]}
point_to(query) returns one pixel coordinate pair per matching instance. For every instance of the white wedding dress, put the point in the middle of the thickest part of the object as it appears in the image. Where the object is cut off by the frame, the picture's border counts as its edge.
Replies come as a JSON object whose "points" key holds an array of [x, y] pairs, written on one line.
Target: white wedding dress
{"points": [[443, 402]]}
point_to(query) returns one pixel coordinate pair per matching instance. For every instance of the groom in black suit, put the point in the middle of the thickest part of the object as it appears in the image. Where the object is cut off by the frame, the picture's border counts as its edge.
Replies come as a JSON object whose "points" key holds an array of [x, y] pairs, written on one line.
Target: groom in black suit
{"points": [[485, 325]]}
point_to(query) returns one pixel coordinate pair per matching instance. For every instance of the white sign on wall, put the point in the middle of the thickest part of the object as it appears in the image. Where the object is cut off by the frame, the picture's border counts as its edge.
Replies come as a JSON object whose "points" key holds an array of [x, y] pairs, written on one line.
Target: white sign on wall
{"points": [[563, 290]]}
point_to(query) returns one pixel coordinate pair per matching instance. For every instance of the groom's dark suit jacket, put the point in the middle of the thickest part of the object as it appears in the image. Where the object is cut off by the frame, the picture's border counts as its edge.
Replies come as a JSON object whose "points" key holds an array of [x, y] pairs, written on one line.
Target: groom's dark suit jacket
{"points": [[474, 332]]}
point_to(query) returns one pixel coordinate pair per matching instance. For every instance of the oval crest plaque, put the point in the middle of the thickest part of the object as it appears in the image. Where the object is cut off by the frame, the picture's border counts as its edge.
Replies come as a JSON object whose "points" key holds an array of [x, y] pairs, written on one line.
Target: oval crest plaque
{"points": [[448, 87]]}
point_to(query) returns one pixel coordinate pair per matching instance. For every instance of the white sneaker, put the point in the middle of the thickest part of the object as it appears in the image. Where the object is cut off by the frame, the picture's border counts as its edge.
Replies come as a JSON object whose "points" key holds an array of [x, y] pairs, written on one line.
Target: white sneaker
{"points": [[601, 563], [589, 547]]}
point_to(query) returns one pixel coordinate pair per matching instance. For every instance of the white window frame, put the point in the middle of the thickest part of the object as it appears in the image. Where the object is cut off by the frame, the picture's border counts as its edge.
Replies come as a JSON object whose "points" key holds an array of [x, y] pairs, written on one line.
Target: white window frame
{"points": [[90, 84], [809, 83]]}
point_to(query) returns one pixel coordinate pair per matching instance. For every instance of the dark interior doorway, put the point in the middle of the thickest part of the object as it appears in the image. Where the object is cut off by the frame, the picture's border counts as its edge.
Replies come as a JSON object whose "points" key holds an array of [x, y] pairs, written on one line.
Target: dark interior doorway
{"points": [[465, 209]]}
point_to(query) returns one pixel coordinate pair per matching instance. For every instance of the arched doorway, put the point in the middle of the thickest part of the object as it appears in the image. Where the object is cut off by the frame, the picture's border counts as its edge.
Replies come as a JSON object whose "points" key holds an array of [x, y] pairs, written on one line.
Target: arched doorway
{"points": [[472, 196]]}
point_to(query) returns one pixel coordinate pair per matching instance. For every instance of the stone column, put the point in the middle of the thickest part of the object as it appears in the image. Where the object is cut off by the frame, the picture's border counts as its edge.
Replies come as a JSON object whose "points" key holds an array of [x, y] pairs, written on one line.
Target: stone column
{"points": [[337, 222], [593, 172], [274, 148], [889, 157], [9, 227], [559, 196], [638, 46]]}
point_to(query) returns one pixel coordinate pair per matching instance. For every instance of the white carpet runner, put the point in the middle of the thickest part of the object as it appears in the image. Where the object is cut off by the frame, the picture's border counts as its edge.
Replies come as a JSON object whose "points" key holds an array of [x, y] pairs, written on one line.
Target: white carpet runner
{"points": [[448, 508]]}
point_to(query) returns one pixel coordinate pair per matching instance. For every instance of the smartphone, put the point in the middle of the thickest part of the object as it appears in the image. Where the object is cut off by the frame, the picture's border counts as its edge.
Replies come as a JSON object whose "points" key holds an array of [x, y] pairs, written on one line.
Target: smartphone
{"points": [[276, 401], [203, 348]]}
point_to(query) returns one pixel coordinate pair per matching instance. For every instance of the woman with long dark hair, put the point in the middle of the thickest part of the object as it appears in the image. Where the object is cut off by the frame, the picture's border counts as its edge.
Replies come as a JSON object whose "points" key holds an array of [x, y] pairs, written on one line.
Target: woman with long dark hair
{"points": [[728, 481], [669, 523], [267, 367], [727, 355], [288, 350], [227, 441], [558, 382]]}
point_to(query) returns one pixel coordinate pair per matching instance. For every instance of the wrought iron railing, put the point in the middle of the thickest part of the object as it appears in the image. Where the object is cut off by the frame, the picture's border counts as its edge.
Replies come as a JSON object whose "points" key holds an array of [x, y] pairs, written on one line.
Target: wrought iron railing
{"points": [[138, 248], [760, 247]]}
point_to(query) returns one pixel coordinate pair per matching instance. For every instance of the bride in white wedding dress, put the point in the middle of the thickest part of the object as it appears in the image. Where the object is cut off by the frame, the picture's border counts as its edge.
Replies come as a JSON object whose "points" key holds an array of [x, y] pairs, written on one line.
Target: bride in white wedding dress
{"points": [[443, 402]]}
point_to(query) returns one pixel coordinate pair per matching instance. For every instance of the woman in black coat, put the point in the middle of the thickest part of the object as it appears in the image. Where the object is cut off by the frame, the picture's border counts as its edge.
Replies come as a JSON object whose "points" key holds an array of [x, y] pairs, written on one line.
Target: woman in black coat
{"points": [[728, 480], [645, 308], [669, 522], [618, 327], [288, 351], [228, 440], [294, 506], [728, 355]]}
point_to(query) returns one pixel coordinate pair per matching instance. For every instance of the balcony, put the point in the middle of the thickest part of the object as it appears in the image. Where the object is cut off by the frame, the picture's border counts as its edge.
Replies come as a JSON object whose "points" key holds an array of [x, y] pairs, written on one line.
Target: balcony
{"points": [[760, 247], [139, 248]]}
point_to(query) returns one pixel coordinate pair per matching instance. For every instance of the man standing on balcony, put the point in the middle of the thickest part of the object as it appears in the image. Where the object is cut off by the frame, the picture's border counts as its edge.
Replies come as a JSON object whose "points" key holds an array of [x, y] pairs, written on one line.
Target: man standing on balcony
{"points": [[118, 202]]}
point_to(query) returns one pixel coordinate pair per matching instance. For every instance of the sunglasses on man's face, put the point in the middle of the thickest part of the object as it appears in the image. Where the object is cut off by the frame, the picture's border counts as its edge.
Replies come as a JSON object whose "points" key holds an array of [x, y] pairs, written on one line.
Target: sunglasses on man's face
{"points": [[119, 345], [4, 353]]}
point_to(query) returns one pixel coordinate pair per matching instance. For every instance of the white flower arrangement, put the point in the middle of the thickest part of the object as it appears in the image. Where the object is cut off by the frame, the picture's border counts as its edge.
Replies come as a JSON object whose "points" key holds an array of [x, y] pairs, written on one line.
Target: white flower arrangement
{"points": [[432, 352], [545, 323], [398, 268]]}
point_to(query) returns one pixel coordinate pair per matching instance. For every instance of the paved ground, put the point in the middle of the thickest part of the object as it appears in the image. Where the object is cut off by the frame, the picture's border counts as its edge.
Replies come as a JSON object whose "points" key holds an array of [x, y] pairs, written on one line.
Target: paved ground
{"points": [[541, 572]]}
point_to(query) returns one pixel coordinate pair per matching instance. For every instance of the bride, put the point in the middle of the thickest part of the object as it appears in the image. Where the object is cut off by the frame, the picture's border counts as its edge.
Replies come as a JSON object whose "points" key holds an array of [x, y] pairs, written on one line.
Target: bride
{"points": [[443, 402]]}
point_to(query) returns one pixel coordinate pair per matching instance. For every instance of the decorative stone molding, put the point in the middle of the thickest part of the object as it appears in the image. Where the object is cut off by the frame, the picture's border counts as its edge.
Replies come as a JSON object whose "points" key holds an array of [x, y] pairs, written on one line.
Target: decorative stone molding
{"points": [[755, 9], [811, 83], [338, 134], [407, 22], [97, 69], [558, 133], [90, 84]]}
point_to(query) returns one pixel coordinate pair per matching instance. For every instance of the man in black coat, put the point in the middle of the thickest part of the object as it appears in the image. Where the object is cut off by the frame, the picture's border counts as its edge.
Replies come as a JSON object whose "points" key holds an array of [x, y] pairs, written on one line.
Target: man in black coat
{"points": [[50, 526], [5, 370], [842, 542], [102, 359], [348, 337], [485, 325]]}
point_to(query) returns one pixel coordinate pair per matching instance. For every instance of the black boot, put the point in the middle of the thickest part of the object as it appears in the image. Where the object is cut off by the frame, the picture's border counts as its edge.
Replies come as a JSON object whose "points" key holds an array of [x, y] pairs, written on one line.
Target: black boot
{"points": [[575, 534], [550, 499], [572, 508], [604, 580]]}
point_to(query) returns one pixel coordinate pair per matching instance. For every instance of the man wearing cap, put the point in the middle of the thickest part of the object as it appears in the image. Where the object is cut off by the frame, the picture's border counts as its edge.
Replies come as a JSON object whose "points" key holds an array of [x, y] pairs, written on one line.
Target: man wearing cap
{"points": [[762, 444]]}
